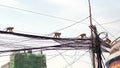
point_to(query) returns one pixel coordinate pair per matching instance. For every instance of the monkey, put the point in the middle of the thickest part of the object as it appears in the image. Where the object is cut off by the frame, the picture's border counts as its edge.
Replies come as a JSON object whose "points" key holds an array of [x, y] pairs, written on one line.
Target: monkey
{"points": [[107, 40], [57, 34], [83, 36], [9, 29]]}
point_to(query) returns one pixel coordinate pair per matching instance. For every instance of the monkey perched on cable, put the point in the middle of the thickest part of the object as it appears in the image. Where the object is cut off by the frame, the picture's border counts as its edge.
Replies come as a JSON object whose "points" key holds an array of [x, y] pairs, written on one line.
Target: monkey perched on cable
{"points": [[9, 29], [82, 36], [107, 40], [57, 34]]}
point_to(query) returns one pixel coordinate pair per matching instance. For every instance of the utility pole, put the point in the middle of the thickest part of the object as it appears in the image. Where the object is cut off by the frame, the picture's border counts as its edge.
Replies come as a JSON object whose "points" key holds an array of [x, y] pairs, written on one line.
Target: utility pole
{"points": [[92, 37], [97, 48], [95, 40]]}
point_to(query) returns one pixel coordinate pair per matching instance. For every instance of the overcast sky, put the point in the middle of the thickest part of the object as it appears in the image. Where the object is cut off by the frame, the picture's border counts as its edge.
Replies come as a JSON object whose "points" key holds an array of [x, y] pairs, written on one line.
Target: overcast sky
{"points": [[42, 17]]}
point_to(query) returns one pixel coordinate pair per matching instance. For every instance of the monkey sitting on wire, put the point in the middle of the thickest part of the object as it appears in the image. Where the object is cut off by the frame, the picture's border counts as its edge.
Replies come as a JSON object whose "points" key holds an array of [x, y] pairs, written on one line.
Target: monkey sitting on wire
{"points": [[107, 40], [82, 36], [9, 29], [57, 34]]}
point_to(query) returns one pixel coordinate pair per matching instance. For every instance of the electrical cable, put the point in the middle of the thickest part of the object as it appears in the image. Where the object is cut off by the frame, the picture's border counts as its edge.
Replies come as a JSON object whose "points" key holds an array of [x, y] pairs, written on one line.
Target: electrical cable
{"points": [[72, 57], [117, 33], [11, 44], [118, 20], [78, 58], [102, 60], [56, 55], [74, 60], [64, 58], [114, 41], [69, 26], [37, 13], [75, 55], [4, 43], [73, 24], [91, 56], [103, 27]]}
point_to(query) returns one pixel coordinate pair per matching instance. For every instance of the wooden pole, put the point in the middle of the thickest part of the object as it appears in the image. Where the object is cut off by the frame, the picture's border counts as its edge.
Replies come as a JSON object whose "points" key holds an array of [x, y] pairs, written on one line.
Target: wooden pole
{"points": [[92, 40]]}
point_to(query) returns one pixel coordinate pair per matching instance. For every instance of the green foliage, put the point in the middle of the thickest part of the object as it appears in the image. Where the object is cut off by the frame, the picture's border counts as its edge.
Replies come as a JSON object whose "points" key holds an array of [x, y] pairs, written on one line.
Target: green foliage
{"points": [[27, 60]]}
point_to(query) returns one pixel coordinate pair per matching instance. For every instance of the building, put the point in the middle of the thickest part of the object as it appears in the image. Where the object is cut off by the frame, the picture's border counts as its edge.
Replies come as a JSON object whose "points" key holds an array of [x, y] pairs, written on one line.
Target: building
{"points": [[26, 60]]}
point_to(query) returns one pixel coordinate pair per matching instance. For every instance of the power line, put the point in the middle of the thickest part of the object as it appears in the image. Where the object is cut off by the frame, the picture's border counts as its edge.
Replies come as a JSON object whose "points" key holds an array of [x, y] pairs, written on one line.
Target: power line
{"points": [[64, 59], [11, 44], [56, 55], [117, 33], [69, 26], [73, 24], [44, 47], [77, 58], [41, 37], [37, 13], [103, 27], [103, 59], [118, 20]]}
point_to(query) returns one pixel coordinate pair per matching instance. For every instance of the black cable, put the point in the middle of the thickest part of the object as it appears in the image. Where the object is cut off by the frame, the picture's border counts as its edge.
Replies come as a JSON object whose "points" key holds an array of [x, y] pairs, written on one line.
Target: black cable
{"points": [[103, 58], [35, 48], [11, 44], [91, 56], [4, 44]]}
